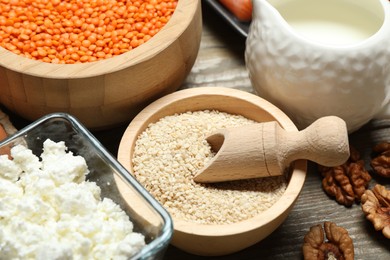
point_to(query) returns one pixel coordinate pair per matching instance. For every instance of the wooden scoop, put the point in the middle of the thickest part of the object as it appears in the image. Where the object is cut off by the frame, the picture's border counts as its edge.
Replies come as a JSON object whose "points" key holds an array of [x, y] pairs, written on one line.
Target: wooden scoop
{"points": [[265, 149]]}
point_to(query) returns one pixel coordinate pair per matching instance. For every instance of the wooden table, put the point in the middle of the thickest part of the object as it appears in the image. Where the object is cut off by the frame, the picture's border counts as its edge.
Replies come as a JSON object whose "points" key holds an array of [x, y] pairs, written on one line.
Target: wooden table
{"points": [[221, 63]]}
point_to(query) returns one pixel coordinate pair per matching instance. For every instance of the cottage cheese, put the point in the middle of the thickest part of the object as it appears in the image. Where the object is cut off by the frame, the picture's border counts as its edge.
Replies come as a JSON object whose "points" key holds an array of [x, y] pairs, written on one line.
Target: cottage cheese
{"points": [[49, 211]]}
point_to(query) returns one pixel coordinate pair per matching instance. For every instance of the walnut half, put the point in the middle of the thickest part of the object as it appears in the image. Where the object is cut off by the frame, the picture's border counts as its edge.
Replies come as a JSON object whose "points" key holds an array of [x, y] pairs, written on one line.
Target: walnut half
{"points": [[338, 247], [376, 207], [380, 161], [347, 182]]}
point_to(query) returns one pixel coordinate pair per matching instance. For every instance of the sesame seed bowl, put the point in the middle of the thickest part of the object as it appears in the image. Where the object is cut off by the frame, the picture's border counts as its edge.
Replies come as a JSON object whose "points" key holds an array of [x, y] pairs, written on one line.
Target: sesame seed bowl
{"points": [[164, 147], [100, 92]]}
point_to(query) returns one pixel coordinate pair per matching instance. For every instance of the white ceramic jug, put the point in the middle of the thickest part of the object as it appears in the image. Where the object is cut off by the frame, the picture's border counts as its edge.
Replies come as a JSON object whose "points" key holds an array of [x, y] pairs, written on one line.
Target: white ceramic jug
{"points": [[314, 58]]}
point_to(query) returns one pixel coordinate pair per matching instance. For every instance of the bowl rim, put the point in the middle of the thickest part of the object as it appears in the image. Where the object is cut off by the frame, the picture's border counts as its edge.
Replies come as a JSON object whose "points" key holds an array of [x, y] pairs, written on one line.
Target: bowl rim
{"points": [[281, 206], [171, 32]]}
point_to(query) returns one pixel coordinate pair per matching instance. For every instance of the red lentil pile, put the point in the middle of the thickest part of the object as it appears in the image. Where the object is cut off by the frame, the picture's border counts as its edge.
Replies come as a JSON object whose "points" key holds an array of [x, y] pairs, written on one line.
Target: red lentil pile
{"points": [[76, 31]]}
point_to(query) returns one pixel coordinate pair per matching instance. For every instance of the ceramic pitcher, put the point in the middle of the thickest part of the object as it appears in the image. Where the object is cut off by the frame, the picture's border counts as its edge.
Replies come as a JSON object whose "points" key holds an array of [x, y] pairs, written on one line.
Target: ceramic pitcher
{"points": [[314, 58]]}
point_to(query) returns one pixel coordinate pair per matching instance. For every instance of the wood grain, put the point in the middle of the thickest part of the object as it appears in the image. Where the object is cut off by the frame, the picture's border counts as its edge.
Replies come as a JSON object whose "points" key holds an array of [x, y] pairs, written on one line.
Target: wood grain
{"points": [[225, 239], [108, 92], [266, 149]]}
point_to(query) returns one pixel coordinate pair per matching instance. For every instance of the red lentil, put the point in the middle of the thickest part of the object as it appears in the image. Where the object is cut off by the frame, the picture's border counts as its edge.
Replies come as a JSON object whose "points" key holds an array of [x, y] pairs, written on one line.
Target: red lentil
{"points": [[76, 31]]}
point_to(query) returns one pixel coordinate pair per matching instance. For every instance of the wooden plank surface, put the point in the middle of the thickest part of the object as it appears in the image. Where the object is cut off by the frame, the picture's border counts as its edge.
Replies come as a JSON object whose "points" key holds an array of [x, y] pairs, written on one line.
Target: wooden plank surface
{"points": [[220, 62]]}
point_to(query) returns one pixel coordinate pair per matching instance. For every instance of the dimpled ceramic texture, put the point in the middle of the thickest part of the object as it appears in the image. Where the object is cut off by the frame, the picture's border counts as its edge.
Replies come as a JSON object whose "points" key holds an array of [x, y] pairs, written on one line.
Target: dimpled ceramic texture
{"points": [[308, 80]]}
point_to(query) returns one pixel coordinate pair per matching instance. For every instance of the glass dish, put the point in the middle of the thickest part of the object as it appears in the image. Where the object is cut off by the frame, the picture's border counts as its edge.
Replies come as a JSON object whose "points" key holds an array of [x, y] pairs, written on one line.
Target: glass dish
{"points": [[114, 180]]}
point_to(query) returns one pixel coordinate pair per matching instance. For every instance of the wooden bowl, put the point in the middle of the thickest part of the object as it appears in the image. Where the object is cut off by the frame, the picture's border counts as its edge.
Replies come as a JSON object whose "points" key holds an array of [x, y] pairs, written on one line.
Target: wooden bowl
{"points": [[212, 240], [108, 92]]}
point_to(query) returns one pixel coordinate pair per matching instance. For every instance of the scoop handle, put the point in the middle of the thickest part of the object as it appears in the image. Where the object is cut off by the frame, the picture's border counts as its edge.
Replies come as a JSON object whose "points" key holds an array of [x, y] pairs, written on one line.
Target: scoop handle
{"points": [[325, 142]]}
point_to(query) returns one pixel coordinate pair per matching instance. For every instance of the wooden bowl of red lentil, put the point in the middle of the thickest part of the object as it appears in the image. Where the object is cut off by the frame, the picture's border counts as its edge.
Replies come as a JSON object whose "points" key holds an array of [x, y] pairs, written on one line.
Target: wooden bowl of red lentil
{"points": [[164, 147], [101, 61]]}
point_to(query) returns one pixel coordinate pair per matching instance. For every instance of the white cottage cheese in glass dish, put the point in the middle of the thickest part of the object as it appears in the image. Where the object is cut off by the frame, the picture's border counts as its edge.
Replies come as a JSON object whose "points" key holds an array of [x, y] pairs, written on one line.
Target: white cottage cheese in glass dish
{"points": [[49, 211], [60, 199]]}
